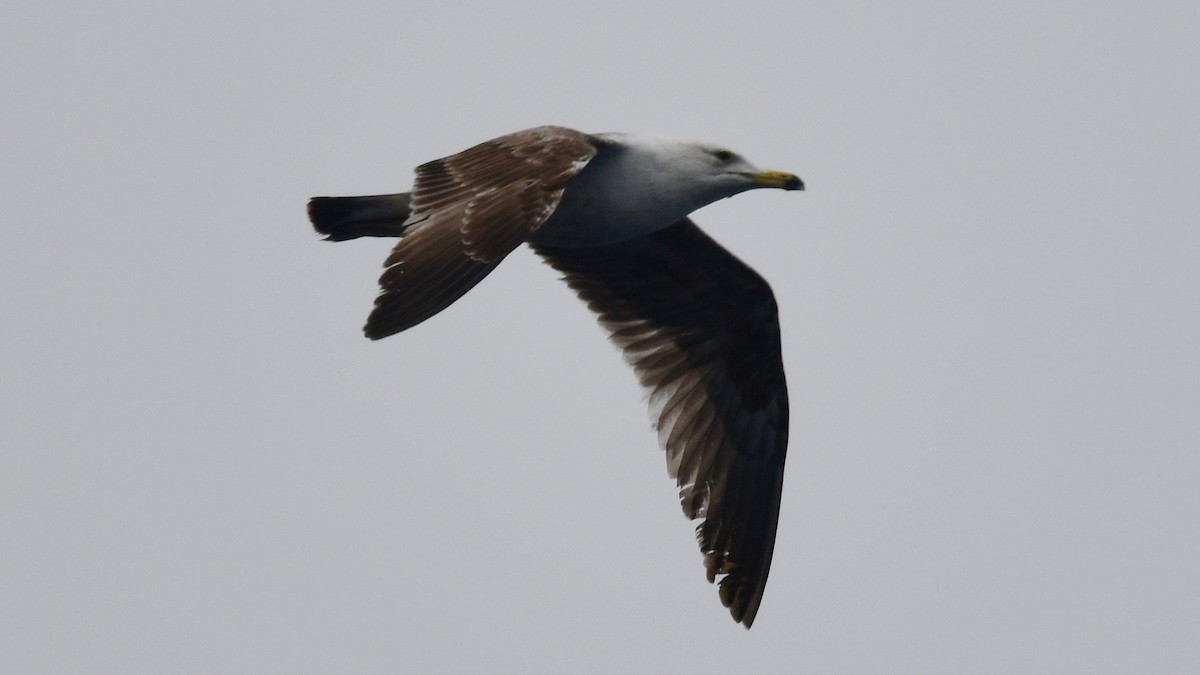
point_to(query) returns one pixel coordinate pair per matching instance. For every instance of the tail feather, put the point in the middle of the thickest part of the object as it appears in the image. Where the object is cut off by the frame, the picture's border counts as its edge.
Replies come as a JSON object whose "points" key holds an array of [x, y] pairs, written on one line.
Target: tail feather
{"points": [[342, 218]]}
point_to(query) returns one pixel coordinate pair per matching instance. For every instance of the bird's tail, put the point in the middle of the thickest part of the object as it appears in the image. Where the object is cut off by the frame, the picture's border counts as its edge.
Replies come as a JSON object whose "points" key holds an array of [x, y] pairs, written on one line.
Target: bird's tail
{"points": [[342, 218]]}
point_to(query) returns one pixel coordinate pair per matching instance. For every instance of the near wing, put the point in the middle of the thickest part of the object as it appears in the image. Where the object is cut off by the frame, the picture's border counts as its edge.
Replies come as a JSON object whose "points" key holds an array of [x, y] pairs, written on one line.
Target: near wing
{"points": [[469, 211], [702, 331]]}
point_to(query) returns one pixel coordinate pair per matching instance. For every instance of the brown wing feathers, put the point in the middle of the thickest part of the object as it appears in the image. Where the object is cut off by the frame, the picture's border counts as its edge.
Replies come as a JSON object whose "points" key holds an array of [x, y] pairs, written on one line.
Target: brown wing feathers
{"points": [[702, 332], [469, 211]]}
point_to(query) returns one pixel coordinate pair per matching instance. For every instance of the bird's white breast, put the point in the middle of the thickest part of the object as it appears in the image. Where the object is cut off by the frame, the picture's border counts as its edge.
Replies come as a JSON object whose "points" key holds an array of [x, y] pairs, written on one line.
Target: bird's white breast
{"points": [[633, 188]]}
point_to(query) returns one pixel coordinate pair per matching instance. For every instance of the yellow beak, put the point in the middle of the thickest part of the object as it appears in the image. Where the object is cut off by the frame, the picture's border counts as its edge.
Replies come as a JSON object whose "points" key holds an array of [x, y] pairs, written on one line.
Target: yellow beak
{"points": [[778, 179]]}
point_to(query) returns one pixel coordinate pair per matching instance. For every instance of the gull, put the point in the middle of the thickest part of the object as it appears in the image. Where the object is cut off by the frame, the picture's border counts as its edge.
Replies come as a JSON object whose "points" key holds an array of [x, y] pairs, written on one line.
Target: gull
{"points": [[699, 327]]}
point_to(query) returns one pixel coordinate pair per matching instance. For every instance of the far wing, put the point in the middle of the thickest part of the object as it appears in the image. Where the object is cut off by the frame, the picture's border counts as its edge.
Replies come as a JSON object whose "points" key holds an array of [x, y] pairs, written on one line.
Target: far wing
{"points": [[469, 211], [702, 331]]}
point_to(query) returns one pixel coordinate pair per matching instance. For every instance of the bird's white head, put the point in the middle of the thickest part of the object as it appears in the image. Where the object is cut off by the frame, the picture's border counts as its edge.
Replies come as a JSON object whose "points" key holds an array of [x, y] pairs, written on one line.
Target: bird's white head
{"points": [[638, 184], [697, 174]]}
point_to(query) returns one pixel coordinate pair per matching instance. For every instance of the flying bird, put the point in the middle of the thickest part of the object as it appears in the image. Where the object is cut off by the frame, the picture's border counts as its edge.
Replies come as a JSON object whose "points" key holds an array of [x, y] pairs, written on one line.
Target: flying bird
{"points": [[699, 327]]}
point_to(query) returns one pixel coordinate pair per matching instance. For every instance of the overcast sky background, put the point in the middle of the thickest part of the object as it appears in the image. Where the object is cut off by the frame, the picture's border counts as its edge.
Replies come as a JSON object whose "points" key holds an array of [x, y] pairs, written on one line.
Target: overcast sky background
{"points": [[988, 297]]}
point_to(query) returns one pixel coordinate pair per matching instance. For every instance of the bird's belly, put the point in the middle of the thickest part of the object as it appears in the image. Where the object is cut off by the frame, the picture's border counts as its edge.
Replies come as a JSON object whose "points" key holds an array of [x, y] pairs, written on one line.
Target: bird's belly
{"points": [[597, 217], [582, 230]]}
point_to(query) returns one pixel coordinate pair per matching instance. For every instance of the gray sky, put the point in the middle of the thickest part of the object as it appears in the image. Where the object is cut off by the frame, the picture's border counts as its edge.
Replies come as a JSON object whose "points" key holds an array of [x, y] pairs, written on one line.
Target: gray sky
{"points": [[988, 296]]}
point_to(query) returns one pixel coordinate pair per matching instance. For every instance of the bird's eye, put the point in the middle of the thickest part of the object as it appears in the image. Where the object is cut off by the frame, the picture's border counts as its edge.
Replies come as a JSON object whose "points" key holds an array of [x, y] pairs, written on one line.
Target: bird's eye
{"points": [[722, 155]]}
